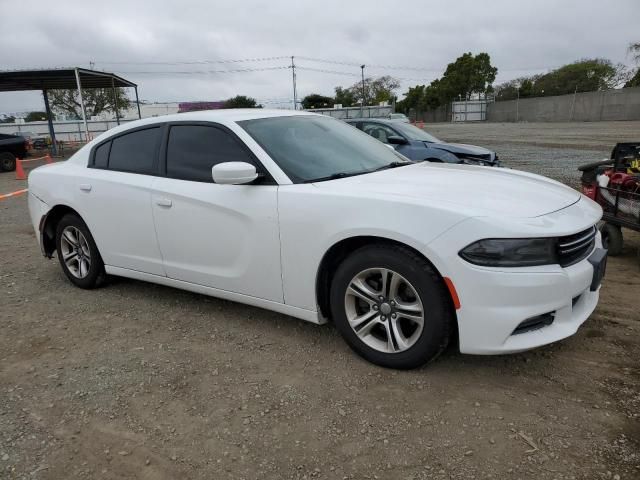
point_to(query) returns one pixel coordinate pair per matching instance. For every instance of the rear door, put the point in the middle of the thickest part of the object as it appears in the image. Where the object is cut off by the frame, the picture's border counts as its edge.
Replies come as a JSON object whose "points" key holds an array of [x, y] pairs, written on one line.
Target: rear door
{"points": [[115, 198], [221, 236]]}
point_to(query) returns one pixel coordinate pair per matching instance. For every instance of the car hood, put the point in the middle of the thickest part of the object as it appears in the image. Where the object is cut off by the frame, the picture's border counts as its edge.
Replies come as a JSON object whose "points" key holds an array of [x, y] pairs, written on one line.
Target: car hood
{"points": [[477, 191], [461, 148]]}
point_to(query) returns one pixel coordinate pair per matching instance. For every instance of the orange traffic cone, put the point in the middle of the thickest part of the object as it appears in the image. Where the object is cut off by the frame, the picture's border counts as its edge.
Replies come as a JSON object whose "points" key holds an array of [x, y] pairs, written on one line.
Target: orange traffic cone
{"points": [[48, 159], [19, 170]]}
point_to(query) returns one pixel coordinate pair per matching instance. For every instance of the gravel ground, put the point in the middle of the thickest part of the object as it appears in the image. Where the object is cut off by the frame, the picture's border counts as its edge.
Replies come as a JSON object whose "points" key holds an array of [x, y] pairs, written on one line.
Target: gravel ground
{"points": [[141, 381], [551, 149]]}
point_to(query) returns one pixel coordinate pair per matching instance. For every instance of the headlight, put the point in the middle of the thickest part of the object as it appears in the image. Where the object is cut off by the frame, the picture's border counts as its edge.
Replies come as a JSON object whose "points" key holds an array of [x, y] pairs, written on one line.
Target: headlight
{"points": [[511, 252]]}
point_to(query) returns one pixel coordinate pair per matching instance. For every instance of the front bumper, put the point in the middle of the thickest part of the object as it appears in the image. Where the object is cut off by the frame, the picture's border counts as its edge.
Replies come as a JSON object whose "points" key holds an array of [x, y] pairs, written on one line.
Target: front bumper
{"points": [[494, 302], [500, 301]]}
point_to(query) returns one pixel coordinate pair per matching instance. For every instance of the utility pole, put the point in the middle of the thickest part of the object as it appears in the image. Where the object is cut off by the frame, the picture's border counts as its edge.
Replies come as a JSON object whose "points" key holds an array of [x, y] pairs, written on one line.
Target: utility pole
{"points": [[573, 103], [362, 103], [295, 91]]}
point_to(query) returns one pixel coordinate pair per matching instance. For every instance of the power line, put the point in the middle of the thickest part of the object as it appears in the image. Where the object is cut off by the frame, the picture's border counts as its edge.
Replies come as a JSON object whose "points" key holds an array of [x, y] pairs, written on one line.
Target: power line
{"points": [[196, 62], [353, 74], [202, 72], [386, 67]]}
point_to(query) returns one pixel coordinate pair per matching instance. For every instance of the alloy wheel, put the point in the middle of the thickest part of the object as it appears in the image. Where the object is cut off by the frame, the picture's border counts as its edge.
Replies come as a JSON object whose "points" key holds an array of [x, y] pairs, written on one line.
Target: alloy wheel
{"points": [[384, 310], [75, 252]]}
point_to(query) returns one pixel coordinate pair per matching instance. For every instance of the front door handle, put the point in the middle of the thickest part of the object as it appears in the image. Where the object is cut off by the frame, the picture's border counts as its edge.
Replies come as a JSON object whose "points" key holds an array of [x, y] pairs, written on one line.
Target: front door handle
{"points": [[164, 202], [85, 187]]}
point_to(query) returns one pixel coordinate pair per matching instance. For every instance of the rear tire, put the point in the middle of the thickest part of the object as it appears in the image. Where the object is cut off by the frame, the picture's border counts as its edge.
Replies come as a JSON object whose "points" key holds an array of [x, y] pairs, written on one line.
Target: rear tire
{"points": [[7, 162], [78, 254], [391, 306], [612, 239]]}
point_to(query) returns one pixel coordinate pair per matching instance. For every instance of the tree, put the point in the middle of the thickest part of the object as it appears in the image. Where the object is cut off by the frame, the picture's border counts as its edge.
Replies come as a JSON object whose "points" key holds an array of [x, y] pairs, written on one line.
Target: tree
{"points": [[96, 101], [634, 49], [520, 87], [376, 90], [469, 74], [317, 101], [241, 101], [35, 117], [588, 75], [8, 119], [344, 97], [634, 80]]}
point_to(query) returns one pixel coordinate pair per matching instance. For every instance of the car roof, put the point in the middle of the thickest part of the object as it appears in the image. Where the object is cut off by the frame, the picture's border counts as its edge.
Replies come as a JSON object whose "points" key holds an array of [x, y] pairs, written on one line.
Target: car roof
{"points": [[222, 116], [231, 114]]}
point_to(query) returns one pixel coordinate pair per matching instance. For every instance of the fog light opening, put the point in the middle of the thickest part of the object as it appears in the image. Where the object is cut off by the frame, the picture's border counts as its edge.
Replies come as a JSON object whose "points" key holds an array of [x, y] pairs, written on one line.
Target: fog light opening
{"points": [[534, 323]]}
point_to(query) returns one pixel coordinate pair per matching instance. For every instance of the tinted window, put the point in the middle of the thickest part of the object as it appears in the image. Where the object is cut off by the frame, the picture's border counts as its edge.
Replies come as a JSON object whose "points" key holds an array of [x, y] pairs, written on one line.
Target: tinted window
{"points": [[135, 152], [194, 149], [101, 156]]}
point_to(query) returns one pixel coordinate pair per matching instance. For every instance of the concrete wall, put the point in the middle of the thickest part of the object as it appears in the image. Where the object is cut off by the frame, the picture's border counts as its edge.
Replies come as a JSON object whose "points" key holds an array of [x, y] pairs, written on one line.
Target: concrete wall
{"points": [[620, 104], [438, 115]]}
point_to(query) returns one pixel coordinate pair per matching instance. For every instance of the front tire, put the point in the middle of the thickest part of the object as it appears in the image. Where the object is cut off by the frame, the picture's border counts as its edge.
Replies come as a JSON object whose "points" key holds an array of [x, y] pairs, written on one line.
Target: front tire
{"points": [[612, 239], [391, 306], [78, 254]]}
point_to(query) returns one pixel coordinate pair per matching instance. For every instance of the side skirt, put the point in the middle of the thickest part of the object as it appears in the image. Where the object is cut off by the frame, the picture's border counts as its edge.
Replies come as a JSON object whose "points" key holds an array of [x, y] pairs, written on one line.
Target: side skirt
{"points": [[301, 313]]}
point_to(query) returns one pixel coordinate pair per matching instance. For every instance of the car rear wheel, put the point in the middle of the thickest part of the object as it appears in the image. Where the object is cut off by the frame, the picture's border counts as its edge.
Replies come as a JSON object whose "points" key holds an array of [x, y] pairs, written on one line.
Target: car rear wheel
{"points": [[391, 306], [78, 254], [7, 162]]}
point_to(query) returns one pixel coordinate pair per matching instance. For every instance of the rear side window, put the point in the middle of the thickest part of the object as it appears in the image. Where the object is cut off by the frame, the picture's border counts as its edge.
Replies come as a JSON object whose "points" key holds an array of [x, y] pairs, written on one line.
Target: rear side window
{"points": [[134, 152], [101, 156], [193, 149]]}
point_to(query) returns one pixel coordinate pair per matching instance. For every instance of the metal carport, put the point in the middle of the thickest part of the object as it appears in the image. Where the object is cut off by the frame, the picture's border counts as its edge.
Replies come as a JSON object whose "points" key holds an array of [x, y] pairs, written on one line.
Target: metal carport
{"points": [[64, 79]]}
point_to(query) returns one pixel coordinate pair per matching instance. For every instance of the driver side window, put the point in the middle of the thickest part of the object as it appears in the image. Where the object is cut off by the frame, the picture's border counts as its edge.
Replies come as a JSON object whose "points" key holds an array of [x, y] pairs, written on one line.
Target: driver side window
{"points": [[378, 131], [193, 149]]}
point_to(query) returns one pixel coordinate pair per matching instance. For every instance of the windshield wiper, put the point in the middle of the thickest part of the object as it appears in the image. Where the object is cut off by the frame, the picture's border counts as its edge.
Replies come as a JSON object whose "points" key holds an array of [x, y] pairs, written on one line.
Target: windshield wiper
{"points": [[391, 165], [334, 176]]}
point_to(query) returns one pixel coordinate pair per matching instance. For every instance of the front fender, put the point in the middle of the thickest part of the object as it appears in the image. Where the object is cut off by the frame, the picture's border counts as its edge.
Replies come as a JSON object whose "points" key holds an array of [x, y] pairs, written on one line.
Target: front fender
{"points": [[442, 155]]}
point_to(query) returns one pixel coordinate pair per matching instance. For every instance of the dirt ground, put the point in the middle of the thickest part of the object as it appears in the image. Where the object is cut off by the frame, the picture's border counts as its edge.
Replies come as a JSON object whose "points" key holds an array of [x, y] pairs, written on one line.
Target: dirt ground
{"points": [[141, 381]]}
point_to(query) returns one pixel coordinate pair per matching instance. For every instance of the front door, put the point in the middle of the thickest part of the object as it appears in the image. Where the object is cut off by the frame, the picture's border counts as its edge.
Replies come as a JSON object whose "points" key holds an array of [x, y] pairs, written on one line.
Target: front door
{"points": [[221, 236]]}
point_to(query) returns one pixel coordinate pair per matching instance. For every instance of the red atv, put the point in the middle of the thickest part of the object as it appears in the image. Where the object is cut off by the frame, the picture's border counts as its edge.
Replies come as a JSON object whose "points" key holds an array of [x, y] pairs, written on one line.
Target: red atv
{"points": [[615, 185]]}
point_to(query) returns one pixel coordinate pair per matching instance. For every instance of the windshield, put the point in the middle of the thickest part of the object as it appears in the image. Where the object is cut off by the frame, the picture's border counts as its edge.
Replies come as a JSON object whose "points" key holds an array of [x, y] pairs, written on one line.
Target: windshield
{"points": [[414, 133], [309, 148], [397, 115]]}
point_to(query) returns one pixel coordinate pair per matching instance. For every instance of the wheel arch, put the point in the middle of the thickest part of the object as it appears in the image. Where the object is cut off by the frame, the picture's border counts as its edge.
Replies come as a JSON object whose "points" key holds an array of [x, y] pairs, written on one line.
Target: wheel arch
{"points": [[48, 227], [334, 256]]}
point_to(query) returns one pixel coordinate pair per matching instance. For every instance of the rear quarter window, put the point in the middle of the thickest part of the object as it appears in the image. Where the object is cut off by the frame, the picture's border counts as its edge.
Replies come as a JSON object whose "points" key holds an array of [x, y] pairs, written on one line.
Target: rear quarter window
{"points": [[101, 155]]}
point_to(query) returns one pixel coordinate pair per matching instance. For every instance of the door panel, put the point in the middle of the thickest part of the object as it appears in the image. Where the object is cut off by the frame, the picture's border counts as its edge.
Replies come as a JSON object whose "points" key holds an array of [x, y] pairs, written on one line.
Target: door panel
{"points": [[221, 236], [117, 209]]}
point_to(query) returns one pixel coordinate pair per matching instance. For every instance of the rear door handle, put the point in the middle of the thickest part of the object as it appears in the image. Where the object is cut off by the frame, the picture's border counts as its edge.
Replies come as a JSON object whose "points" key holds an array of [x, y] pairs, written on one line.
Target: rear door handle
{"points": [[164, 202], [85, 187]]}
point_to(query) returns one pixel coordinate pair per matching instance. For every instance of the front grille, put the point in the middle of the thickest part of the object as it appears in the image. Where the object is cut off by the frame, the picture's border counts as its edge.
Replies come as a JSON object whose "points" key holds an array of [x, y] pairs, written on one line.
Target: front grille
{"points": [[576, 247]]}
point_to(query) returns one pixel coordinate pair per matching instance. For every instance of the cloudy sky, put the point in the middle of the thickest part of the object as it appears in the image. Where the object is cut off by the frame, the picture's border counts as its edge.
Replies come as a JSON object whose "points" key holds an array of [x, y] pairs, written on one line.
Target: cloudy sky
{"points": [[146, 40]]}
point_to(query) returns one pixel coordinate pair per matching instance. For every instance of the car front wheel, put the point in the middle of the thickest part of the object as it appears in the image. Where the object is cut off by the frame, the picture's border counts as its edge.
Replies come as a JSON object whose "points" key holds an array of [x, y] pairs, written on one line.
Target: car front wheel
{"points": [[391, 306]]}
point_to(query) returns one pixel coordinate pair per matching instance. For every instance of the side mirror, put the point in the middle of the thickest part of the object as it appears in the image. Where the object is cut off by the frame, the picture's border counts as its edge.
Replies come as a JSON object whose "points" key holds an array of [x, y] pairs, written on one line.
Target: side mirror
{"points": [[233, 173], [396, 140]]}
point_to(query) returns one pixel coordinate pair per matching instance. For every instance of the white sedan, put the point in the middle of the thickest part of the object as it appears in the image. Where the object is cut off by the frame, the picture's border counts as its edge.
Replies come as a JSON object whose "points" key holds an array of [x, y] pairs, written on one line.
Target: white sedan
{"points": [[310, 217]]}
